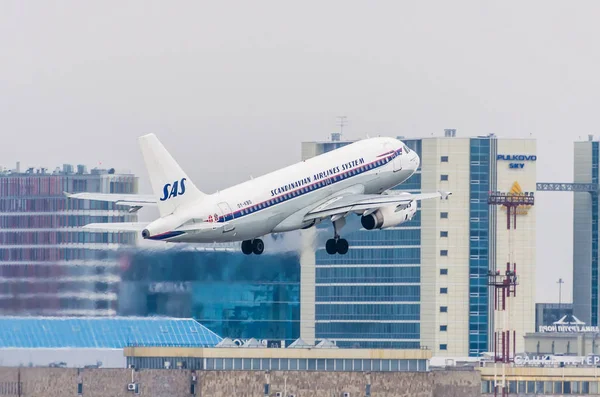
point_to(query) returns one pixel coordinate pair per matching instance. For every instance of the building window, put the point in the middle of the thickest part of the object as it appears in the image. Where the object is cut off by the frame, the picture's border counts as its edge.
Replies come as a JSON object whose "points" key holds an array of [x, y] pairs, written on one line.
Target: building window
{"points": [[443, 309], [443, 328], [443, 252], [443, 290], [444, 215], [444, 233], [443, 346], [444, 177], [444, 159], [443, 272]]}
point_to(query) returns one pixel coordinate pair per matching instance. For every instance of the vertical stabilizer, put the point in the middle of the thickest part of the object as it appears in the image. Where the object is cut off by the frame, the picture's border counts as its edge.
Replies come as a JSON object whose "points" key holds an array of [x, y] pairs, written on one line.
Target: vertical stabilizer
{"points": [[171, 186]]}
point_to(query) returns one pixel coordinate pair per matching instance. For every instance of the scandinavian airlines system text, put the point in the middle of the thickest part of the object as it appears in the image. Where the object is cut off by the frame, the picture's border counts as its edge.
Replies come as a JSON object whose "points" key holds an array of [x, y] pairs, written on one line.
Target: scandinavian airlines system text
{"points": [[317, 177]]}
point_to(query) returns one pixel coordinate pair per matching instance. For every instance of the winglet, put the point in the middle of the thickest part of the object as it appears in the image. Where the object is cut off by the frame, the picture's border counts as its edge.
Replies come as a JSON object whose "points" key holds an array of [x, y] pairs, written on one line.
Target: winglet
{"points": [[444, 195]]}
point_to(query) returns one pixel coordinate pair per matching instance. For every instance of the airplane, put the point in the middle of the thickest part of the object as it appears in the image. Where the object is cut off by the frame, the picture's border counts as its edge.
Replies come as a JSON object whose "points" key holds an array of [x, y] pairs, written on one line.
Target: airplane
{"points": [[353, 179]]}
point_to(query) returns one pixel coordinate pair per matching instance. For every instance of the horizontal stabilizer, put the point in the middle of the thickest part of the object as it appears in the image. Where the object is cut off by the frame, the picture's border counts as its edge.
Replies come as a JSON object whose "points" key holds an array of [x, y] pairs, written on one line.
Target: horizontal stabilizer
{"points": [[116, 226], [133, 200], [202, 226]]}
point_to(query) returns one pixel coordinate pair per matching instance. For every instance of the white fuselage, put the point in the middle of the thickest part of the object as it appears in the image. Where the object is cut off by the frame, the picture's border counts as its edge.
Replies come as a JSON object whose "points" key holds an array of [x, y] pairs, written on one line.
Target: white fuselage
{"points": [[278, 201]]}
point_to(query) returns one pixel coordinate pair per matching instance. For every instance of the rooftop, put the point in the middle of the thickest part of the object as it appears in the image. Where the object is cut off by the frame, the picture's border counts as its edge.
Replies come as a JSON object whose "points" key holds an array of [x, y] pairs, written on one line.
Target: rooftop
{"points": [[336, 138], [67, 169], [111, 332]]}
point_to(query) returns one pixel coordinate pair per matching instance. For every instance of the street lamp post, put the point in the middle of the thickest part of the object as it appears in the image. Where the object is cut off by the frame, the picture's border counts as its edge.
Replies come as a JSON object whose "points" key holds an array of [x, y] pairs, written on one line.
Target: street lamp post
{"points": [[560, 283]]}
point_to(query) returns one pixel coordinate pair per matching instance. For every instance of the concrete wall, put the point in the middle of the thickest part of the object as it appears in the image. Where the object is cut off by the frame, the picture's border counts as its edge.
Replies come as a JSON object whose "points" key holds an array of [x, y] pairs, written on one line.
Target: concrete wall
{"points": [[581, 344], [307, 285], [73, 357], [456, 336], [58, 382]]}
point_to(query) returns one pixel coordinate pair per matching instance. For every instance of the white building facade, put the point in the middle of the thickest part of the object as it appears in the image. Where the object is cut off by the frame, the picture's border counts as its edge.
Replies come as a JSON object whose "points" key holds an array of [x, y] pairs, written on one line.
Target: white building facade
{"points": [[463, 238]]}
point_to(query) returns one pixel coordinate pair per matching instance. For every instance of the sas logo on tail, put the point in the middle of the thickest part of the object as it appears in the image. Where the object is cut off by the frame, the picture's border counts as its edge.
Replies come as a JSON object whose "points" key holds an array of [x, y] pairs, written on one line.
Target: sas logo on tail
{"points": [[173, 190]]}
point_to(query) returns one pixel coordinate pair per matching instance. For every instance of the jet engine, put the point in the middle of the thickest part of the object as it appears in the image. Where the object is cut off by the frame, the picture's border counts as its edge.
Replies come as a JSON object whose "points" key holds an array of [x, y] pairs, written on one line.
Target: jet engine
{"points": [[389, 216]]}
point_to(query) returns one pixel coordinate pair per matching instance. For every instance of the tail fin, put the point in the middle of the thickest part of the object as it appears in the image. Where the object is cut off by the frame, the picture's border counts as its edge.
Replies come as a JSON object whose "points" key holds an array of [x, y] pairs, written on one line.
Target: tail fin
{"points": [[171, 186]]}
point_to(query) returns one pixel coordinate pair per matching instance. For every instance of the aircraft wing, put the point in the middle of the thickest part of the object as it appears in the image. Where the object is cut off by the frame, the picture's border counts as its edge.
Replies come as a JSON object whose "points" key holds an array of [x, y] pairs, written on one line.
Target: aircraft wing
{"points": [[132, 200], [116, 226], [366, 203]]}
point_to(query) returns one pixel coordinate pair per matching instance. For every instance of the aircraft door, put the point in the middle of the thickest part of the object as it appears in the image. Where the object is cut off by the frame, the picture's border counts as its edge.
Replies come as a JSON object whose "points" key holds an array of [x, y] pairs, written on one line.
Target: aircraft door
{"points": [[397, 159], [226, 212]]}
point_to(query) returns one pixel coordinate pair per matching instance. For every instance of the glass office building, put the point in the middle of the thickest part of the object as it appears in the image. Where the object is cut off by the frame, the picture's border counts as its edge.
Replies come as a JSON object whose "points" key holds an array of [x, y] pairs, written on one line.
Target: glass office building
{"points": [[585, 233], [48, 265], [370, 297], [234, 295]]}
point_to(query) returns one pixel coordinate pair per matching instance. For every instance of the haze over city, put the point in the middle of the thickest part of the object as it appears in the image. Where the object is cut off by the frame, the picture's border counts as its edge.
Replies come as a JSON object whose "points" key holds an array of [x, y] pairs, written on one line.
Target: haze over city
{"points": [[241, 86]]}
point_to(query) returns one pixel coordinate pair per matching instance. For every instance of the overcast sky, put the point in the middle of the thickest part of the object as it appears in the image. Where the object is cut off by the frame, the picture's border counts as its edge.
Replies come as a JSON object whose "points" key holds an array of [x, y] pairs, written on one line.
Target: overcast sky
{"points": [[232, 88]]}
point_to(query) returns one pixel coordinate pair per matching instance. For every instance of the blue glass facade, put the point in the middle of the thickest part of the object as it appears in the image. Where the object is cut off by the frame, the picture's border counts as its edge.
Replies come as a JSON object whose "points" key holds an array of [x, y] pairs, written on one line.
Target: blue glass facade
{"points": [[370, 297], [479, 245], [234, 295], [594, 280]]}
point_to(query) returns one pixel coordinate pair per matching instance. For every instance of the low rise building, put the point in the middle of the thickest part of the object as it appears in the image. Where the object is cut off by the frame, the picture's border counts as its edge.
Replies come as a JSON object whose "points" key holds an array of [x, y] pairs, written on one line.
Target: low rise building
{"points": [[297, 357]]}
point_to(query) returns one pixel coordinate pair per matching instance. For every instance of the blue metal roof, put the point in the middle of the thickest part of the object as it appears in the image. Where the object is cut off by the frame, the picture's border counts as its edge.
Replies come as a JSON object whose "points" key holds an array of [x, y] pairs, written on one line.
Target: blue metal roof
{"points": [[108, 332]]}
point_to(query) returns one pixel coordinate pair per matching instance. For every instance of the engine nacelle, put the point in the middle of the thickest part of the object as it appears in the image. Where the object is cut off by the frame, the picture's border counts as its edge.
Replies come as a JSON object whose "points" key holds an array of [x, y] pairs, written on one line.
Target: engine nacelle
{"points": [[389, 217]]}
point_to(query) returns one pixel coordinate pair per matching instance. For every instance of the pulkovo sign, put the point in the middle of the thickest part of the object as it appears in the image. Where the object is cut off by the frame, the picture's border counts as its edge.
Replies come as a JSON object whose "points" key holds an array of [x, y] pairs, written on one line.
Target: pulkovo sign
{"points": [[517, 161]]}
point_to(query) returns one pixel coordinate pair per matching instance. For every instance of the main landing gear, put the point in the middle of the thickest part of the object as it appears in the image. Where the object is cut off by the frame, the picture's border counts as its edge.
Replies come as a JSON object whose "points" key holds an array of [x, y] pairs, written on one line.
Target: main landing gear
{"points": [[337, 245], [255, 246]]}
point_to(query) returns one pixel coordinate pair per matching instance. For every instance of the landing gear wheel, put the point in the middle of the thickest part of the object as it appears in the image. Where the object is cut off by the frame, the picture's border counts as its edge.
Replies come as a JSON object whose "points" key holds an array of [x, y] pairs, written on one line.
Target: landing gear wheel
{"points": [[247, 247], [342, 246], [331, 246], [258, 246]]}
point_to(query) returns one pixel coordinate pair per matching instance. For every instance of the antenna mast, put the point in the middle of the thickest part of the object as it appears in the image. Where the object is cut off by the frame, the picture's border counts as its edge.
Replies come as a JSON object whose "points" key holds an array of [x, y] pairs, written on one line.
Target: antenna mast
{"points": [[560, 282], [342, 121], [504, 286]]}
